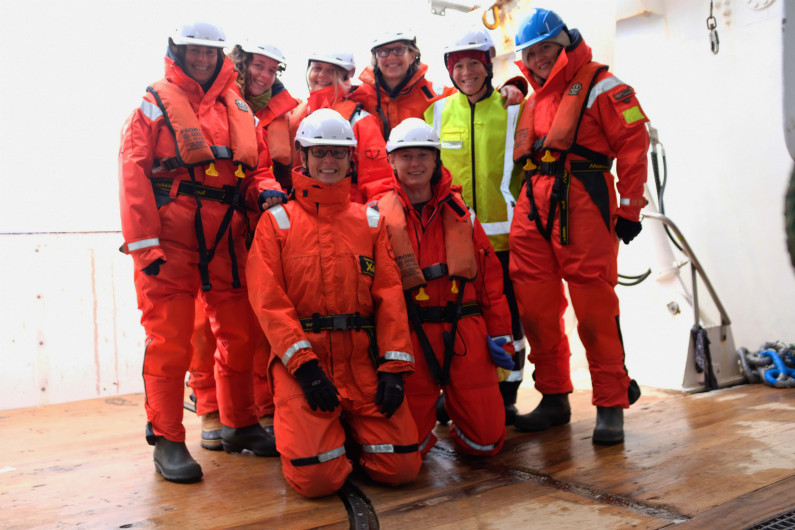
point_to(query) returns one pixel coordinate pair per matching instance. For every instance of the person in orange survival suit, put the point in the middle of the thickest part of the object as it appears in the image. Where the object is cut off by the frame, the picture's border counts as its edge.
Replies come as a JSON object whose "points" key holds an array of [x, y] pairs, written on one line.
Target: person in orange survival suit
{"points": [[190, 157], [394, 86], [328, 77], [258, 66], [453, 287], [326, 289], [578, 120]]}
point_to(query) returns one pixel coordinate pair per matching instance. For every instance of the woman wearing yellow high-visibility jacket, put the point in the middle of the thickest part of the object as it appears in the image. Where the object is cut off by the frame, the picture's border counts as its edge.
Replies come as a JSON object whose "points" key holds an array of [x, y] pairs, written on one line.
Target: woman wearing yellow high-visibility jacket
{"points": [[477, 135]]}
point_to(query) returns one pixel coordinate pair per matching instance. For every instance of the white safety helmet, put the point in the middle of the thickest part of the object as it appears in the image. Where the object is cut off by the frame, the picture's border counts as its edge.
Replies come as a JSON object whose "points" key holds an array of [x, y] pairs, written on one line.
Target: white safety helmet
{"points": [[267, 50], [324, 127], [342, 59], [412, 132], [199, 34], [393, 36], [473, 39]]}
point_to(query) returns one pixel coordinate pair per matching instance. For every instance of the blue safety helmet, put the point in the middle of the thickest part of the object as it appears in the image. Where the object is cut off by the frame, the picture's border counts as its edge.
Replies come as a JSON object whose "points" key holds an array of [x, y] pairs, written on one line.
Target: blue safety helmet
{"points": [[541, 25]]}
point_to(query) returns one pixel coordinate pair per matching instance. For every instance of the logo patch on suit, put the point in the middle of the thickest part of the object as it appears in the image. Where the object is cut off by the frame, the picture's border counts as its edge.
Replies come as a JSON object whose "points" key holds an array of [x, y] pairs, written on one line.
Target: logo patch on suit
{"points": [[623, 94], [367, 265], [241, 105], [575, 89]]}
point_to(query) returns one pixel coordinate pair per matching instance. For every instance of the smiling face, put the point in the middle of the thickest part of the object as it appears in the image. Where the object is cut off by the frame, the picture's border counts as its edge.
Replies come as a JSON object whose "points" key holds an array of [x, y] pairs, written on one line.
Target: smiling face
{"points": [[327, 168], [469, 75], [394, 67], [540, 58], [321, 75], [200, 62], [261, 74], [414, 169]]}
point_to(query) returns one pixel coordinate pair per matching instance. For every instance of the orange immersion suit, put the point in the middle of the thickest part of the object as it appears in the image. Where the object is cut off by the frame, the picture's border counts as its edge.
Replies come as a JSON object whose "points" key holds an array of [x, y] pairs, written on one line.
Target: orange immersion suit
{"points": [[179, 125], [273, 118], [317, 259], [445, 243], [579, 120], [373, 174], [409, 100]]}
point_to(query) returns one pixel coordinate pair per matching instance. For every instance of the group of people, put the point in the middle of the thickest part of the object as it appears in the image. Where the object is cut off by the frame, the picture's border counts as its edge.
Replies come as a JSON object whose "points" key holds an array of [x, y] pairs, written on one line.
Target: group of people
{"points": [[338, 275]]}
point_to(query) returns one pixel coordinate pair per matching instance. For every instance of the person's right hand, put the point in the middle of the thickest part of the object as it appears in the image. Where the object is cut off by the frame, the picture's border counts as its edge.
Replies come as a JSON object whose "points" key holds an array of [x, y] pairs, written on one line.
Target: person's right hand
{"points": [[153, 269], [320, 392]]}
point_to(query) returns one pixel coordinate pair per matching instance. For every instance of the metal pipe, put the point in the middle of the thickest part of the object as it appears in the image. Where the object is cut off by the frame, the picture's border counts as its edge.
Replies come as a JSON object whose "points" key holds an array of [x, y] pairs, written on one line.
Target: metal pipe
{"points": [[724, 317]]}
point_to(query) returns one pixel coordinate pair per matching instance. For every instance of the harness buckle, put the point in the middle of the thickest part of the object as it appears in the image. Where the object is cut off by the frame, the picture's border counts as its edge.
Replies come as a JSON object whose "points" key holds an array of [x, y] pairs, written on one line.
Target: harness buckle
{"points": [[339, 322]]}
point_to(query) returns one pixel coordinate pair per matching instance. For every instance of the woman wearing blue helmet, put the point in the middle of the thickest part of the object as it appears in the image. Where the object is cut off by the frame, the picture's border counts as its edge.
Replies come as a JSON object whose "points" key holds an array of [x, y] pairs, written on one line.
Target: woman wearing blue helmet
{"points": [[578, 121]]}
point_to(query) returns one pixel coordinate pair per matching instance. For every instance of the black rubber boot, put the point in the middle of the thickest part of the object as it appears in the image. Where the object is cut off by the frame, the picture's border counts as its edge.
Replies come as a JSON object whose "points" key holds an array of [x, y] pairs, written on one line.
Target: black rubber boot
{"points": [[441, 412], [509, 389], [173, 461], [609, 426], [254, 438], [554, 409]]}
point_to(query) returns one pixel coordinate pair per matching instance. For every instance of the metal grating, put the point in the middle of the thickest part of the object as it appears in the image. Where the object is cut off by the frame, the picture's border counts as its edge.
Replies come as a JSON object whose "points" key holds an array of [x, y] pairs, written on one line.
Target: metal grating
{"points": [[784, 521]]}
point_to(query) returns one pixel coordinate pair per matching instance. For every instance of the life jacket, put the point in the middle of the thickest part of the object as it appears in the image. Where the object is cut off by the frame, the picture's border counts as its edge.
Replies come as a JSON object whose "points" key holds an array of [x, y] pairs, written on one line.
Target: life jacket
{"points": [[192, 149], [458, 245], [563, 132], [562, 140]]}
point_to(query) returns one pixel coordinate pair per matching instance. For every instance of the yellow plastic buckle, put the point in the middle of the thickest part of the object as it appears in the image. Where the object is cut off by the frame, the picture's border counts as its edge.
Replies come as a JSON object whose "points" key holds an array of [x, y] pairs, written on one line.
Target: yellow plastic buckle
{"points": [[211, 171]]}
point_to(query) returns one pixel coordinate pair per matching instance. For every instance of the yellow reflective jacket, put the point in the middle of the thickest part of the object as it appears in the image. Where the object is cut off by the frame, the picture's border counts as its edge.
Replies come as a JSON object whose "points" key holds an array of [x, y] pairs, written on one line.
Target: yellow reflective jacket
{"points": [[481, 162]]}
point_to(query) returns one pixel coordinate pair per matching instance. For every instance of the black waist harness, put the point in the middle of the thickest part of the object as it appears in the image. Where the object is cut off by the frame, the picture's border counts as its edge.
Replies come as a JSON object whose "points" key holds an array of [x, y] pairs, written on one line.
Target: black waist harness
{"points": [[225, 194], [447, 313], [345, 322]]}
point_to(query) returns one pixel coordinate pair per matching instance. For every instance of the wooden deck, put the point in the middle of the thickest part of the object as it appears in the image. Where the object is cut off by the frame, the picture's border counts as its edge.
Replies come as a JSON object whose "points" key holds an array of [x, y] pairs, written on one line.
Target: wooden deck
{"points": [[724, 459]]}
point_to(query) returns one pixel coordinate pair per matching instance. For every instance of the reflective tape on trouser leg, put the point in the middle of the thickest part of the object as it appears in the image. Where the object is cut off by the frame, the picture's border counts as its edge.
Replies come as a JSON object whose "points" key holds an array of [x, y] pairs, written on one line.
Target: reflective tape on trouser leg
{"points": [[319, 459], [390, 448], [477, 447]]}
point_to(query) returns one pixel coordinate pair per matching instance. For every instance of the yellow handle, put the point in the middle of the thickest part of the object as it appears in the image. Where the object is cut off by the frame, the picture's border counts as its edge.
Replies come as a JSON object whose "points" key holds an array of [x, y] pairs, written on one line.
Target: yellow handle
{"points": [[211, 171], [529, 165], [422, 295], [240, 173], [548, 157], [454, 288]]}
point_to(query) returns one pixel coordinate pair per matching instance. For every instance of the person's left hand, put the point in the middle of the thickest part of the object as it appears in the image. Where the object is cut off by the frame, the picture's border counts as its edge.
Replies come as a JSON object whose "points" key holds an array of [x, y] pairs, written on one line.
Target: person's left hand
{"points": [[390, 392], [626, 230], [498, 354], [270, 198]]}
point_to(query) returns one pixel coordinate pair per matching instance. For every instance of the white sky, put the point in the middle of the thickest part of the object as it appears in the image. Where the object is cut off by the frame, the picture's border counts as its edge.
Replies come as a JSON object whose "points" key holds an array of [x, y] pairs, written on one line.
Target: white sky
{"points": [[74, 70]]}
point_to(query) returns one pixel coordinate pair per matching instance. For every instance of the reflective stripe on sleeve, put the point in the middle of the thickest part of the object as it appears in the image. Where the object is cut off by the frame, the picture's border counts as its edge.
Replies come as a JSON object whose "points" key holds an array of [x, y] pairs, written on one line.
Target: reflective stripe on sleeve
{"points": [[280, 215], [372, 217], [640, 203], [601, 87], [150, 110], [399, 356], [472, 444], [286, 356], [319, 459], [143, 243]]}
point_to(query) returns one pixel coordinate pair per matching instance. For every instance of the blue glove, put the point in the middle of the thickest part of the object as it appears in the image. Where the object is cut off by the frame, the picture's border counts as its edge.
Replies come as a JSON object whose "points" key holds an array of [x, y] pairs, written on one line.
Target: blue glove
{"points": [[498, 355], [267, 194]]}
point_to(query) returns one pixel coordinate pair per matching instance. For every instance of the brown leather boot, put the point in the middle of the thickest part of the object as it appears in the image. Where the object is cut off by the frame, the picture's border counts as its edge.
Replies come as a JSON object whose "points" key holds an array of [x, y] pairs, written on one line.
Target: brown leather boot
{"points": [[211, 431]]}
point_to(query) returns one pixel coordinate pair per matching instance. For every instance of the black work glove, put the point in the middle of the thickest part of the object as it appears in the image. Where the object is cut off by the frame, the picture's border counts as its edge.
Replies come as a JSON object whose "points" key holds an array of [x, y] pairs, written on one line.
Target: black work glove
{"points": [[390, 392], [320, 392], [153, 269], [626, 229]]}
